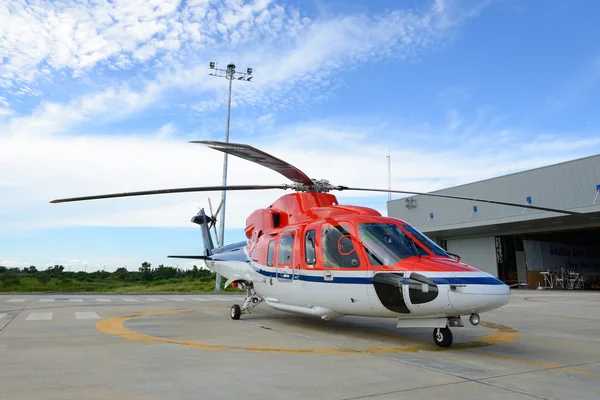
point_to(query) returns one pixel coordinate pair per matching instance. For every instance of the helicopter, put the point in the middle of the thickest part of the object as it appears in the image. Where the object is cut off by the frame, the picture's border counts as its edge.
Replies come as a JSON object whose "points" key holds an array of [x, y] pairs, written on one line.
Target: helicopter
{"points": [[309, 255]]}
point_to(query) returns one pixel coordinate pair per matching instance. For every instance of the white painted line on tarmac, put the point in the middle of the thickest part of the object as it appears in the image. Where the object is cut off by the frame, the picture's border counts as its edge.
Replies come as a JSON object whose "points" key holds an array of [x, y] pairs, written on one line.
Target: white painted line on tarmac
{"points": [[2, 316], [129, 299], [176, 299], [15, 300], [76, 300], [104, 300], [47, 300], [86, 315], [39, 316], [221, 299], [152, 299], [199, 299]]}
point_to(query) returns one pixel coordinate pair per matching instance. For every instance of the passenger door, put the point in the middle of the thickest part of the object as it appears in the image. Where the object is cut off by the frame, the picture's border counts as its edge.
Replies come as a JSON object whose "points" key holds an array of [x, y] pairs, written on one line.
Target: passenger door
{"points": [[285, 270], [340, 251]]}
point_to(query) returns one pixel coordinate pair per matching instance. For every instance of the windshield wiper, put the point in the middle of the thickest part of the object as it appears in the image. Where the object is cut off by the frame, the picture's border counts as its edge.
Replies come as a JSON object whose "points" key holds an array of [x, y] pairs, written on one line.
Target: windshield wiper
{"points": [[414, 246]]}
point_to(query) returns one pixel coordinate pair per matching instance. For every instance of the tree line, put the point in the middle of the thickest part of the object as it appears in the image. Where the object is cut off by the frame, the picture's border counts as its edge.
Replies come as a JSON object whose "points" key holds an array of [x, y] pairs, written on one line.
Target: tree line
{"points": [[145, 274]]}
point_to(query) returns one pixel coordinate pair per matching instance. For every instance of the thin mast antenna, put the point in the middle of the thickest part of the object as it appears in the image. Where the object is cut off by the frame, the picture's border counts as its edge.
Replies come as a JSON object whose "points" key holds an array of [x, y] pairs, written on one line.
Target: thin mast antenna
{"points": [[389, 166]]}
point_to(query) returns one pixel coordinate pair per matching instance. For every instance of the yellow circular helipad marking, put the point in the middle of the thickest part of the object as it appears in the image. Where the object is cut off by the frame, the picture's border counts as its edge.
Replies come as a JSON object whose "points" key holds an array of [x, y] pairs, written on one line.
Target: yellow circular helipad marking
{"points": [[114, 326]]}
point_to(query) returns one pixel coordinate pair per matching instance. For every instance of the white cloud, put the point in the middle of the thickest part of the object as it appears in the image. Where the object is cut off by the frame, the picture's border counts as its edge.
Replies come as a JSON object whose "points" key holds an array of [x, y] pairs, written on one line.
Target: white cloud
{"points": [[293, 56], [301, 67], [112, 104], [79, 36], [62, 166]]}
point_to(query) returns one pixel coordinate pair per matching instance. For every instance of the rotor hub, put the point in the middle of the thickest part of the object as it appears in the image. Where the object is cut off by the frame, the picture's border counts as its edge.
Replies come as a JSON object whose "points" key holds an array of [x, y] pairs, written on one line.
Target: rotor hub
{"points": [[318, 186]]}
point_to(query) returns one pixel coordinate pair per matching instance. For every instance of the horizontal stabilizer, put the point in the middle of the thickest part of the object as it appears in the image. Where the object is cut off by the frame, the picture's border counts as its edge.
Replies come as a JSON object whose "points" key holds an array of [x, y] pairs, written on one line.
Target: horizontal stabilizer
{"points": [[191, 257]]}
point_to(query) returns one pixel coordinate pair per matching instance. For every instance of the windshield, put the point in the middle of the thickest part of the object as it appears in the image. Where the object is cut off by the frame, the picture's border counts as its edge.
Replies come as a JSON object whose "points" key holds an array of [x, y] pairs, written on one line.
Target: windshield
{"points": [[430, 244], [385, 244]]}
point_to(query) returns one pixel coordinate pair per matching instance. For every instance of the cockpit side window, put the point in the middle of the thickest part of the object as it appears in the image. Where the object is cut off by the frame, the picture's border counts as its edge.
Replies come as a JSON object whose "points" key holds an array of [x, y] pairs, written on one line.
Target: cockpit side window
{"points": [[270, 251], [339, 250], [309, 247]]}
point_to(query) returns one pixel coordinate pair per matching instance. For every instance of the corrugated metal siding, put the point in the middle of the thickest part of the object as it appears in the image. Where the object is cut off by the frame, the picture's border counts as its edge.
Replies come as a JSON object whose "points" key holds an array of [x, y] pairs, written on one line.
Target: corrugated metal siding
{"points": [[478, 252], [564, 186]]}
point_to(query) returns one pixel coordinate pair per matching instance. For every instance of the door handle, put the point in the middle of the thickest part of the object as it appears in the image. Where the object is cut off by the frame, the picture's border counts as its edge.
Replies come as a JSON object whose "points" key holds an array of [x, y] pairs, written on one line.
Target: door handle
{"points": [[328, 276]]}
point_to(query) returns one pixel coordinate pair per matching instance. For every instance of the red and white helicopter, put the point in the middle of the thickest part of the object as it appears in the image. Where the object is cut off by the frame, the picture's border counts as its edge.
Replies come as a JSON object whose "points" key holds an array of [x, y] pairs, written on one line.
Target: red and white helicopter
{"points": [[307, 254]]}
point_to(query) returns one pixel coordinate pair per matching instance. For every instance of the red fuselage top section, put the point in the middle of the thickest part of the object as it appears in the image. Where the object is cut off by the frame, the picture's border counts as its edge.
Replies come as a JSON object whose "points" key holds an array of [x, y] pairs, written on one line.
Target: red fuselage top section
{"points": [[295, 208], [312, 231]]}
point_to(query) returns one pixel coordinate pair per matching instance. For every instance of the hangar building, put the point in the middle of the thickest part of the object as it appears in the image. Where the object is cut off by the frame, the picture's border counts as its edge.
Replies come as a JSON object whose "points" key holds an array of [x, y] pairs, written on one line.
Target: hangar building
{"points": [[522, 247]]}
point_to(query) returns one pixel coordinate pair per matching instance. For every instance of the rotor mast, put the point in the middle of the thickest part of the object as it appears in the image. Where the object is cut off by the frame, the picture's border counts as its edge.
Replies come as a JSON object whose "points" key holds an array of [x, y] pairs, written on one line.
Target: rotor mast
{"points": [[230, 74]]}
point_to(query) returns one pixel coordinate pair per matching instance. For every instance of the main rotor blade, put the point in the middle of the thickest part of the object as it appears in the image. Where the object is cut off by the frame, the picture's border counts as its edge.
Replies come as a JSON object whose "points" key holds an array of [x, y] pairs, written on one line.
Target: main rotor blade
{"points": [[504, 203], [176, 190], [259, 157]]}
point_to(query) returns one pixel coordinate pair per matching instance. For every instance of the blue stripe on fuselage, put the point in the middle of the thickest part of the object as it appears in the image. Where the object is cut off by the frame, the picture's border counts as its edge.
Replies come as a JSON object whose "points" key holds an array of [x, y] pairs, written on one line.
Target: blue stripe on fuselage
{"points": [[240, 256]]}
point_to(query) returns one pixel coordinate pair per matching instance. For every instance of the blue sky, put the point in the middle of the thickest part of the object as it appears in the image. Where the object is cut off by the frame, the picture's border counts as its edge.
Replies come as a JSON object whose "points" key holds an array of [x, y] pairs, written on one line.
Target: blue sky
{"points": [[103, 97]]}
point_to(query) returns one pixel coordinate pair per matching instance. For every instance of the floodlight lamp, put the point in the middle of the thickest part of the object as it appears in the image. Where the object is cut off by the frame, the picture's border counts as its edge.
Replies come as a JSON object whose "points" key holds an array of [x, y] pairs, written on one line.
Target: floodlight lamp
{"points": [[230, 71], [212, 65], [249, 71]]}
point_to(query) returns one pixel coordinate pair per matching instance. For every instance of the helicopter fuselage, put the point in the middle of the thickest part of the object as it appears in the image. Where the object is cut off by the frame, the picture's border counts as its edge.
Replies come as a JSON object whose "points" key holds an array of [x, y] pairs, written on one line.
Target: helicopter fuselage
{"points": [[306, 254]]}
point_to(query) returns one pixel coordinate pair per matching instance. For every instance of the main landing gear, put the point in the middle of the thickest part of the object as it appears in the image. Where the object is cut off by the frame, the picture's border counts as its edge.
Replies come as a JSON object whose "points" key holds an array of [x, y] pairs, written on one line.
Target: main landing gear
{"points": [[442, 336], [252, 300]]}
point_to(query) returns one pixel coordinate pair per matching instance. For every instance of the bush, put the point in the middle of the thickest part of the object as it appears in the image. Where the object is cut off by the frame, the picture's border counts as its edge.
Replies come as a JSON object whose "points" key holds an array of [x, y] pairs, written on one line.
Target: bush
{"points": [[43, 278], [10, 278]]}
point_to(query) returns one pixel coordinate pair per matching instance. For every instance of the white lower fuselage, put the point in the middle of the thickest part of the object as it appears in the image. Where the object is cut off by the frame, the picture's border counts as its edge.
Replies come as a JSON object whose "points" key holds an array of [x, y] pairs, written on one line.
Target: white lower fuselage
{"points": [[336, 292]]}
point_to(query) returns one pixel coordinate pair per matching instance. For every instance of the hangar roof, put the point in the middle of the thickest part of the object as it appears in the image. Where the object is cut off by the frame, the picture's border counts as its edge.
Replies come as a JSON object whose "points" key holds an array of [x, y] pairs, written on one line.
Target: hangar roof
{"points": [[572, 185]]}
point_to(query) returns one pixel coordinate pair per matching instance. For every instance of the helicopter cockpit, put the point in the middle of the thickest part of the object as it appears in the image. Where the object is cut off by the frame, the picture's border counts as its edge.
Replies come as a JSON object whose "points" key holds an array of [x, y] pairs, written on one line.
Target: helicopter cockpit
{"points": [[383, 244], [386, 244]]}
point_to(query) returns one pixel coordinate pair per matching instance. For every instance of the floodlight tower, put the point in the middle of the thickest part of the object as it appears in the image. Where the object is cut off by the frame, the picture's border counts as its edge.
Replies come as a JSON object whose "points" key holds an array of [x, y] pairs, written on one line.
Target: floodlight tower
{"points": [[230, 74]]}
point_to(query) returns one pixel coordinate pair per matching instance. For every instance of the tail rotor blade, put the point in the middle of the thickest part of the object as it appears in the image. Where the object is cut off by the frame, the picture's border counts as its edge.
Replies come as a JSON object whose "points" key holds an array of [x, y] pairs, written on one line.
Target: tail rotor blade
{"points": [[210, 208], [213, 220], [216, 235], [219, 208]]}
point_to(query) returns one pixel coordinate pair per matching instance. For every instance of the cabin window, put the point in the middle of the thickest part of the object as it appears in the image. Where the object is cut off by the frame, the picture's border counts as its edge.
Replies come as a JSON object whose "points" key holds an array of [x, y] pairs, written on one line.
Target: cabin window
{"points": [[339, 250], [270, 251], [309, 247], [386, 244], [285, 249]]}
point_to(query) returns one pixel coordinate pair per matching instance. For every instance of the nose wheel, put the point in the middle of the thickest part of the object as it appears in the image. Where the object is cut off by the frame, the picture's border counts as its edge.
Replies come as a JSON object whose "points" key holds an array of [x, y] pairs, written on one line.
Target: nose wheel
{"points": [[236, 311], [442, 337]]}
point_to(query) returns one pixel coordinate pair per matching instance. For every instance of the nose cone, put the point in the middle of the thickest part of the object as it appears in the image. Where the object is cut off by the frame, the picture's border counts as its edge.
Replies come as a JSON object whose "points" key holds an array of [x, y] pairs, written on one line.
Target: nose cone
{"points": [[478, 294]]}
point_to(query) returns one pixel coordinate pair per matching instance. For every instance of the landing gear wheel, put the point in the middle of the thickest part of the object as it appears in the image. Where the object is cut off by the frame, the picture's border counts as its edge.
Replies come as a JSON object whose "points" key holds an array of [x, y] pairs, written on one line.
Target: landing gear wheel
{"points": [[442, 337], [235, 312]]}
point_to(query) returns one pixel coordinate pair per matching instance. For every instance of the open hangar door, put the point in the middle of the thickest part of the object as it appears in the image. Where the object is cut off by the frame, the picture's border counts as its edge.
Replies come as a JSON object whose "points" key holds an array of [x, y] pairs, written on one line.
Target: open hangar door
{"points": [[551, 260]]}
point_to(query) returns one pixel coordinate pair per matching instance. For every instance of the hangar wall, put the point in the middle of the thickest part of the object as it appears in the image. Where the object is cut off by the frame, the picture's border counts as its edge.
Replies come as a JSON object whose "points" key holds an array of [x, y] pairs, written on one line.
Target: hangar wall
{"points": [[572, 185], [478, 252]]}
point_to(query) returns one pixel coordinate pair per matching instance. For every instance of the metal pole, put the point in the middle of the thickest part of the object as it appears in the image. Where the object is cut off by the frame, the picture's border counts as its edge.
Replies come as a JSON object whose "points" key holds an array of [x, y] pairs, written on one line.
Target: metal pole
{"points": [[389, 156], [230, 70]]}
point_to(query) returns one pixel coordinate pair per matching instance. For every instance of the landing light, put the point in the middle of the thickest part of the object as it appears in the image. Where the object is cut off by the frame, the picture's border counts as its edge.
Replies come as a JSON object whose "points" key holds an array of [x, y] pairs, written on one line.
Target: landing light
{"points": [[474, 319]]}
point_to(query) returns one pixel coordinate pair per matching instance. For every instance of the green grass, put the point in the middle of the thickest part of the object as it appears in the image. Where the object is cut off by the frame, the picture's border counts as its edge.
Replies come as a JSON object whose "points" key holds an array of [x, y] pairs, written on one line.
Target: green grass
{"points": [[30, 284]]}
